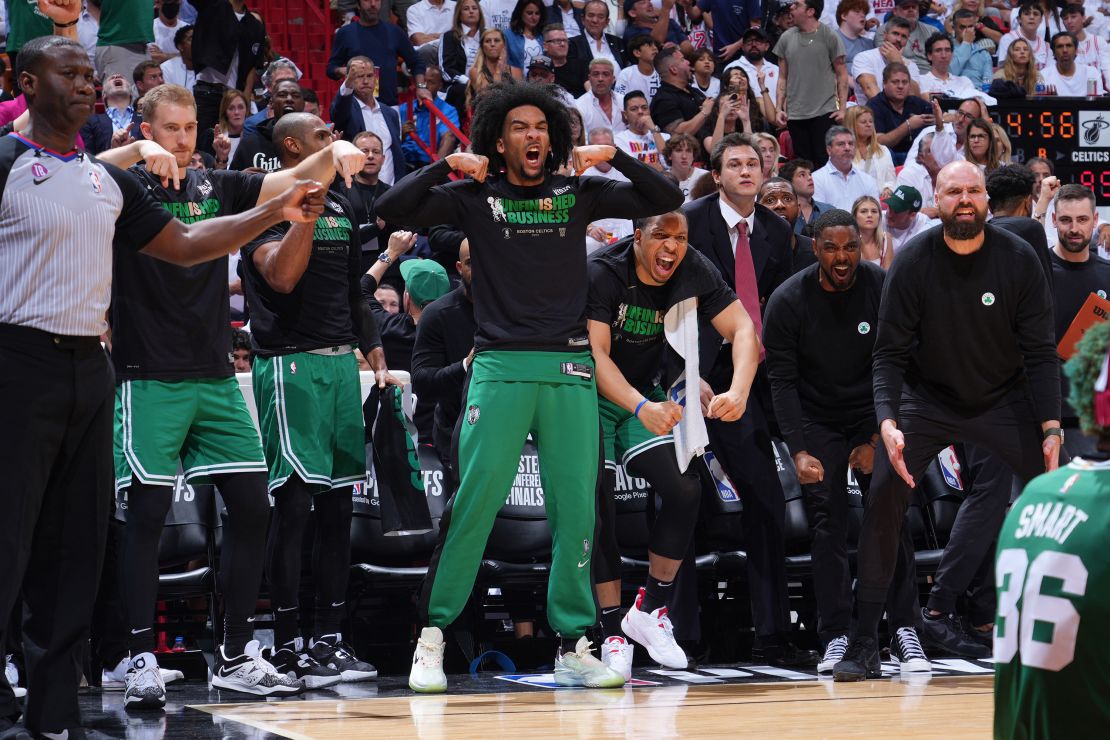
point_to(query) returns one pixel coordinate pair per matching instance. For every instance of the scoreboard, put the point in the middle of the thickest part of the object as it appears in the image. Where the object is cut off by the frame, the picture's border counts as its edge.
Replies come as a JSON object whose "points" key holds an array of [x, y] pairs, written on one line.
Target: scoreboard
{"points": [[1072, 133]]}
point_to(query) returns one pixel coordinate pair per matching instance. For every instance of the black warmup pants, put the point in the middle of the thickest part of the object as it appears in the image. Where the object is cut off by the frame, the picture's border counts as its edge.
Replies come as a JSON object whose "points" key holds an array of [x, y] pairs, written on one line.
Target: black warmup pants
{"points": [[1009, 430], [808, 137], [744, 449], [56, 396], [827, 509], [971, 544], [208, 97]]}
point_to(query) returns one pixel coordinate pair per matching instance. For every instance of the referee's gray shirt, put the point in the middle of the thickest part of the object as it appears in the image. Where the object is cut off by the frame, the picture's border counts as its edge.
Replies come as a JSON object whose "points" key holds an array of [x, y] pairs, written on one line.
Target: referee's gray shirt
{"points": [[61, 215]]}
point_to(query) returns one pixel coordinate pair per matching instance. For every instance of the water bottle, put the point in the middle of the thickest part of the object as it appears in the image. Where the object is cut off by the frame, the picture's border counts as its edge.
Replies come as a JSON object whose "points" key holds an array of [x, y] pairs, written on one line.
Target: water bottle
{"points": [[1040, 88], [1092, 88], [178, 645]]}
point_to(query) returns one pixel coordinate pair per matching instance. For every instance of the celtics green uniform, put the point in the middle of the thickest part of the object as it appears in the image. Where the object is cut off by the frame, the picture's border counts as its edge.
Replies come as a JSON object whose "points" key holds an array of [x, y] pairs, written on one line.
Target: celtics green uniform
{"points": [[1053, 577], [306, 381], [171, 342], [533, 371]]}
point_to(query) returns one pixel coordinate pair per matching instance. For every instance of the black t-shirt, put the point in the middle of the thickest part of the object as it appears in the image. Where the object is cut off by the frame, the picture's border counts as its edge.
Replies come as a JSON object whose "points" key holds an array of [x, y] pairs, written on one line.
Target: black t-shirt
{"points": [[528, 244], [819, 346], [1074, 282], [321, 310], [671, 104], [634, 312], [887, 119], [171, 322]]}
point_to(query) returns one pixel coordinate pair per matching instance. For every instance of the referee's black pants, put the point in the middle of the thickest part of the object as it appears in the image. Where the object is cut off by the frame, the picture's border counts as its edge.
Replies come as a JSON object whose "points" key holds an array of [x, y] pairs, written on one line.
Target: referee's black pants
{"points": [[56, 398], [744, 450], [1010, 430], [827, 509]]}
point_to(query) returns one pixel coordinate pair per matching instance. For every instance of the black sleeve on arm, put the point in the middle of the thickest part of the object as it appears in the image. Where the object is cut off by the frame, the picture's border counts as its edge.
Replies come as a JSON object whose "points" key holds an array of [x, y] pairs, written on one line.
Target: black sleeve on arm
{"points": [[647, 193], [1035, 336], [432, 375], [604, 292], [445, 241], [141, 218], [417, 201], [899, 313], [366, 328], [239, 189], [780, 340]]}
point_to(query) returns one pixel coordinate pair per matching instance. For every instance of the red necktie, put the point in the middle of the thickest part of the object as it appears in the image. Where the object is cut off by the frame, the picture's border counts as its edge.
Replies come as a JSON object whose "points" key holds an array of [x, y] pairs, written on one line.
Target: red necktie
{"points": [[746, 288]]}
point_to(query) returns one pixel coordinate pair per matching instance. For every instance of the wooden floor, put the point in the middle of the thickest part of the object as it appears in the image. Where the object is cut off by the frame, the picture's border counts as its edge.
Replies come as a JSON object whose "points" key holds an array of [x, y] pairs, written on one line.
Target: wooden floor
{"points": [[955, 707]]}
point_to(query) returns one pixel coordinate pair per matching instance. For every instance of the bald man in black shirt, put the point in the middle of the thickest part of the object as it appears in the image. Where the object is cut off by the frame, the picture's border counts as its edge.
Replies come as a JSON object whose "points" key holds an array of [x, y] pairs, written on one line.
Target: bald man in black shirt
{"points": [[965, 352]]}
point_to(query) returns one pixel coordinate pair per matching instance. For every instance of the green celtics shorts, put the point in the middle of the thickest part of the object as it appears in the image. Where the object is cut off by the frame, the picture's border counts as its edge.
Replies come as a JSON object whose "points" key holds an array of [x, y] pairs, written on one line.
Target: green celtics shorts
{"points": [[202, 422], [310, 412], [623, 435]]}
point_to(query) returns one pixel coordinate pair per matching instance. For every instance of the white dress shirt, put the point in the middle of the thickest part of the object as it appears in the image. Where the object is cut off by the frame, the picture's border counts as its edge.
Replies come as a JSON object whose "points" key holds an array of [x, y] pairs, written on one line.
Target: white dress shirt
{"points": [[374, 120], [617, 228], [732, 220], [600, 50], [594, 117], [426, 17], [832, 186]]}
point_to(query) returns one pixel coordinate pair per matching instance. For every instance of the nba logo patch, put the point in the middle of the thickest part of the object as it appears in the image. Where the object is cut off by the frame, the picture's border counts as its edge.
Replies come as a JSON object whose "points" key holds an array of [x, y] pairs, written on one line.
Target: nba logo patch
{"points": [[472, 415], [293, 368], [950, 468], [94, 178]]}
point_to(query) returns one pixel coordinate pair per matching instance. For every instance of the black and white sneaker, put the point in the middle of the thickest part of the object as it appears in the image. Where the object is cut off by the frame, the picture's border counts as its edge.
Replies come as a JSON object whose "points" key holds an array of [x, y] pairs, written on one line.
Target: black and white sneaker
{"points": [[861, 661], [303, 668], [906, 651], [834, 653], [331, 651], [145, 689], [250, 673]]}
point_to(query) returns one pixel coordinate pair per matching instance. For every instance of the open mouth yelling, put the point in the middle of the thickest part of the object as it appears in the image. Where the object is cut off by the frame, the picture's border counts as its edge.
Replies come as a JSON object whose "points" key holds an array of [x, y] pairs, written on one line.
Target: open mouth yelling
{"points": [[664, 265], [966, 214], [841, 272], [532, 156]]}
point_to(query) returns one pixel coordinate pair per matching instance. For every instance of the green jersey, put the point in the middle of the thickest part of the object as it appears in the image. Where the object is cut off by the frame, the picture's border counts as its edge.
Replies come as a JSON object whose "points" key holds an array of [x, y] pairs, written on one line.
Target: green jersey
{"points": [[1052, 672]]}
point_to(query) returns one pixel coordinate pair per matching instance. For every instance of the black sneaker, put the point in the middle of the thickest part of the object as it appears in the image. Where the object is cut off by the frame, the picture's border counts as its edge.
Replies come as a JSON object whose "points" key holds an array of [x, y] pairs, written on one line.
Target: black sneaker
{"points": [[303, 668], [861, 661], [784, 656], [944, 634], [986, 639], [906, 651], [332, 652]]}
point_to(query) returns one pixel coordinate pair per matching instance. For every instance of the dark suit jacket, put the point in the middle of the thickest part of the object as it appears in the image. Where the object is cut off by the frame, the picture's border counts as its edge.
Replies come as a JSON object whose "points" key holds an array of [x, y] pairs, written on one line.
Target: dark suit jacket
{"points": [[771, 256], [580, 49], [347, 117], [97, 132], [555, 15]]}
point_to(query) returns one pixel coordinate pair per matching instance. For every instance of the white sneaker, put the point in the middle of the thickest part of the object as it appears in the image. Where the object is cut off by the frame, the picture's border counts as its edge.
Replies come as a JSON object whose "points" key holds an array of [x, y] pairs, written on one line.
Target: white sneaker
{"points": [[426, 675], [655, 632], [116, 678], [145, 689], [834, 653], [12, 674], [616, 652], [906, 651], [581, 668], [250, 673]]}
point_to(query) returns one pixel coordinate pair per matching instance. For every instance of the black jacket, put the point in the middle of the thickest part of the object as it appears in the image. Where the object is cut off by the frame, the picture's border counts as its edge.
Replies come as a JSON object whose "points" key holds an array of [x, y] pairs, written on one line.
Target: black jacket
{"points": [[555, 15], [580, 49], [454, 57], [771, 257], [444, 336], [218, 34], [257, 150]]}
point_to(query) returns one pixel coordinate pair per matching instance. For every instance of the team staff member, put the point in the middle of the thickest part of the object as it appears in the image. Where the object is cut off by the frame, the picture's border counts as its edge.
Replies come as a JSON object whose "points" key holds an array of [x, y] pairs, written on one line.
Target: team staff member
{"points": [[57, 385], [178, 398], [1053, 576], [307, 317], [965, 353], [532, 371], [633, 285], [819, 332]]}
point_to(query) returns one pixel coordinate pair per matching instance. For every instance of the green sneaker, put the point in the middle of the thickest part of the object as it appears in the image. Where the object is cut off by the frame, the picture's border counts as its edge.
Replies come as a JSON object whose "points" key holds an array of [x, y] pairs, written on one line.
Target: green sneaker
{"points": [[581, 668]]}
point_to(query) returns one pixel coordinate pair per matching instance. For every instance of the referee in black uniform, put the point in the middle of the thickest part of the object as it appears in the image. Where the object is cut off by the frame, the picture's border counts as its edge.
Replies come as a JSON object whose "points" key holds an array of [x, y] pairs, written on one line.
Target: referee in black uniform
{"points": [[965, 353], [64, 214]]}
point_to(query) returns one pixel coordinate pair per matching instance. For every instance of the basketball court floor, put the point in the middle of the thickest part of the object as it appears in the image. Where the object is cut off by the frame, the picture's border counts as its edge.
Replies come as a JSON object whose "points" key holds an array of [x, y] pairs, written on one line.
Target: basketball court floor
{"points": [[736, 701]]}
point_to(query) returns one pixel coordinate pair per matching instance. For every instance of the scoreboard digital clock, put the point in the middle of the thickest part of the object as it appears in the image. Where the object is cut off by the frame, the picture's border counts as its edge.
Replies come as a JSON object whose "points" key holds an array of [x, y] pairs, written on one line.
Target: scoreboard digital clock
{"points": [[1072, 133]]}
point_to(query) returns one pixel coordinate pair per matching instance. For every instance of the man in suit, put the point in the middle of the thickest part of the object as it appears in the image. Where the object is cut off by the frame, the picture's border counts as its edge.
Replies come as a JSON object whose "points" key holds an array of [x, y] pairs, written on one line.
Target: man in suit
{"points": [[727, 223], [355, 109], [594, 41]]}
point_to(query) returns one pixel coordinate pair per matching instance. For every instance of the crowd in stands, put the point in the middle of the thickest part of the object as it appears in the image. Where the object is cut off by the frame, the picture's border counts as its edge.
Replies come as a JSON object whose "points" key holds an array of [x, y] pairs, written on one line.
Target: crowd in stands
{"points": [[853, 107]]}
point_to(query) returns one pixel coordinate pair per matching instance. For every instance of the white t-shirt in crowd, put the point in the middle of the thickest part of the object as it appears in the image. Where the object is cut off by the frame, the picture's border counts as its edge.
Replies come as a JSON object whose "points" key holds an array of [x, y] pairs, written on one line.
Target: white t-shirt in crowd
{"points": [[688, 184], [871, 62], [921, 222], [631, 78], [770, 76], [640, 146], [1074, 86]]}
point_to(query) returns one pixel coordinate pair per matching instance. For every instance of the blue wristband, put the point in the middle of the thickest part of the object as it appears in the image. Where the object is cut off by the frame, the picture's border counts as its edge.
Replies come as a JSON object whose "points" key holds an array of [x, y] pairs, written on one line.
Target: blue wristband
{"points": [[639, 406]]}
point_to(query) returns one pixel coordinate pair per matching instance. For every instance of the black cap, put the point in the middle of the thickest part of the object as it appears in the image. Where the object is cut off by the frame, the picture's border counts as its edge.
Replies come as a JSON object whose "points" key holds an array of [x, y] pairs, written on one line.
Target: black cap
{"points": [[757, 32], [543, 62]]}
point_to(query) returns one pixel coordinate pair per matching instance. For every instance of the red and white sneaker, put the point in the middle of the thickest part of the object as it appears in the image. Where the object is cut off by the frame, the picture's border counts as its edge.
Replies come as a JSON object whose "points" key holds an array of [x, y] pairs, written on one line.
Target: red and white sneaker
{"points": [[616, 652], [656, 633]]}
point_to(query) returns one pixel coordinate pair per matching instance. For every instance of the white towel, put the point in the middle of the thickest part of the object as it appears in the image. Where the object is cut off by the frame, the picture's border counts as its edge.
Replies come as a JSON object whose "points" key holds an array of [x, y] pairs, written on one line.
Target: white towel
{"points": [[680, 326]]}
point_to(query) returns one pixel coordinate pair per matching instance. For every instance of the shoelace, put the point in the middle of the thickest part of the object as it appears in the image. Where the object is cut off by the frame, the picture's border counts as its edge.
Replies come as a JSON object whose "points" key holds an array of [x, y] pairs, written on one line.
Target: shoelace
{"points": [[911, 646], [665, 622], [587, 650], [836, 648]]}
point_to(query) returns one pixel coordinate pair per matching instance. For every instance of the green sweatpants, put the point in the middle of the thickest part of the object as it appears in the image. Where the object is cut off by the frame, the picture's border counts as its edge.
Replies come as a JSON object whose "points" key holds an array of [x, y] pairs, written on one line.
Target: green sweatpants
{"points": [[510, 395]]}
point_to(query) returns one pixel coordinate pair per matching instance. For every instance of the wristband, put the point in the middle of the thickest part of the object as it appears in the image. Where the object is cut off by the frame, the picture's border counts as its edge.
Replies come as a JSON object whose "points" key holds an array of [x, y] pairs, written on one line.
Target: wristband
{"points": [[639, 406], [71, 24], [1054, 432]]}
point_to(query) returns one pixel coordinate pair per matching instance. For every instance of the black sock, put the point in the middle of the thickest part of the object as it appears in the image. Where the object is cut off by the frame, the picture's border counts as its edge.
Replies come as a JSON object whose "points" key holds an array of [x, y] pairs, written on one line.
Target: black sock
{"points": [[925, 613], [332, 638], [568, 644], [869, 614], [287, 627], [611, 621], [656, 593], [141, 642], [238, 631], [329, 619]]}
